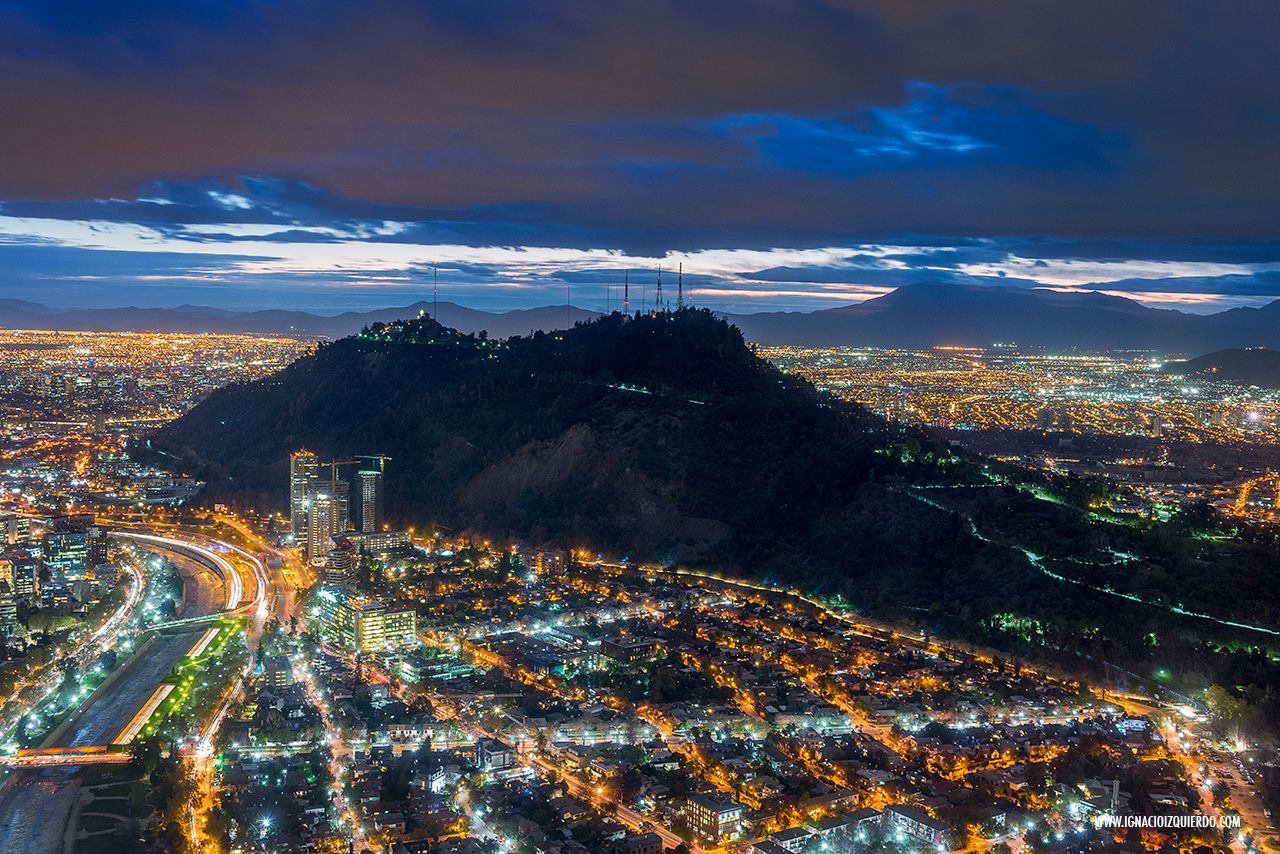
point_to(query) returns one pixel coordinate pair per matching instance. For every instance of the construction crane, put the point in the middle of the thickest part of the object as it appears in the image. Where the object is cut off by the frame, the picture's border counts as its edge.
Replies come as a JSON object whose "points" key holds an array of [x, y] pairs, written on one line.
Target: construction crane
{"points": [[381, 460]]}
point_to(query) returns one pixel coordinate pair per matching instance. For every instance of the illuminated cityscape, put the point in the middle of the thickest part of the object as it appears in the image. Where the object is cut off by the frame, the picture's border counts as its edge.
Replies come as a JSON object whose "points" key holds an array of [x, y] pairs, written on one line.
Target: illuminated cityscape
{"points": [[1002, 389], [328, 682], [560, 427], [1168, 439], [69, 401]]}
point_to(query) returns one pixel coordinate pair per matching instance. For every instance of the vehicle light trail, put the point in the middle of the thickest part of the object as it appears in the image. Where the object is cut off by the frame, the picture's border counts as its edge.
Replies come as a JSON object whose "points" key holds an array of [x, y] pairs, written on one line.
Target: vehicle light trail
{"points": [[104, 636], [304, 677], [228, 573], [140, 718], [203, 644]]}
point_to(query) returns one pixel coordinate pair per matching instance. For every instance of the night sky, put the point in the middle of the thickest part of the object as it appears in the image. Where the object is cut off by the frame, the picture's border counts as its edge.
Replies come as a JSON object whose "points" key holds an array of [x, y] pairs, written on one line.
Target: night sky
{"points": [[792, 155]]}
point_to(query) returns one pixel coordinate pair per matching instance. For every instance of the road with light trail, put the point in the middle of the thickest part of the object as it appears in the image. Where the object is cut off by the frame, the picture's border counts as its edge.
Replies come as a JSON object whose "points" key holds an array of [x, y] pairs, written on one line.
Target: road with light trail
{"points": [[37, 807]]}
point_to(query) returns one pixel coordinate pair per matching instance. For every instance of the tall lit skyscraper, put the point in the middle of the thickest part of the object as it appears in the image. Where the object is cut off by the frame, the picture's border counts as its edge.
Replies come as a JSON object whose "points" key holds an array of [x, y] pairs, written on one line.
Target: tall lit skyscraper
{"points": [[321, 516], [14, 529], [366, 500], [341, 492], [304, 469], [26, 575], [340, 565], [8, 610]]}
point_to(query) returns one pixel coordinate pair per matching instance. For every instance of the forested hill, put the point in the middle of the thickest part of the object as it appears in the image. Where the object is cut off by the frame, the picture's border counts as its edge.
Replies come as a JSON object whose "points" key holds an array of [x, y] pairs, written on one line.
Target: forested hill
{"points": [[659, 437], [666, 438]]}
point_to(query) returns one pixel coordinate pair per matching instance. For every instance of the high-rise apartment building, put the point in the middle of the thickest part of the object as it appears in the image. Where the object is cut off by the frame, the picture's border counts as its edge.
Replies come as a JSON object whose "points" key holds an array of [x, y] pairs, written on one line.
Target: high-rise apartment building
{"points": [[304, 470], [8, 610], [319, 526], [14, 529], [341, 492], [26, 575], [66, 554], [97, 546], [340, 565], [366, 500]]}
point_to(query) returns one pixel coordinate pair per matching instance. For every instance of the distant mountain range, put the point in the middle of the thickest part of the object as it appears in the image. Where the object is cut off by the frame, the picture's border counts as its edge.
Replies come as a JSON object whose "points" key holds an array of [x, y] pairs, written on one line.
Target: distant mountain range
{"points": [[975, 315], [20, 314], [1255, 366], [920, 315]]}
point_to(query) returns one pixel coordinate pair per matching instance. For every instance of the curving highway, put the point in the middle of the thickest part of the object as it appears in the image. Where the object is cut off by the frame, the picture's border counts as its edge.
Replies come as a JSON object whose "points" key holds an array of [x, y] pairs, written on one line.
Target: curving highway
{"points": [[205, 554], [38, 807], [113, 705]]}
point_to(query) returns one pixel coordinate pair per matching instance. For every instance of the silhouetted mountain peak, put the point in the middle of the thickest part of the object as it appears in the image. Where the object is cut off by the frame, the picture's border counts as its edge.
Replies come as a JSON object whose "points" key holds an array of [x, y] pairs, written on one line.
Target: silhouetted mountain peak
{"points": [[646, 433], [933, 313], [1257, 366]]}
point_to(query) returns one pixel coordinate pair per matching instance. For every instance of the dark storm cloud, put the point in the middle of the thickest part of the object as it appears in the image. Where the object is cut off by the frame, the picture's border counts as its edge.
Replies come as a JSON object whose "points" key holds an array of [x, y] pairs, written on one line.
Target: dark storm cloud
{"points": [[1260, 284], [171, 207], [30, 263], [1068, 118], [639, 278], [246, 199], [934, 125], [1256, 251], [974, 143], [882, 276]]}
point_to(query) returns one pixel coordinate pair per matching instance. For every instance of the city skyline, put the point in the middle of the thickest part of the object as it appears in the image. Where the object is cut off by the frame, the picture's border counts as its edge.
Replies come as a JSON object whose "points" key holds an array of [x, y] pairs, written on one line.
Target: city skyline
{"points": [[639, 427], [951, 600]]}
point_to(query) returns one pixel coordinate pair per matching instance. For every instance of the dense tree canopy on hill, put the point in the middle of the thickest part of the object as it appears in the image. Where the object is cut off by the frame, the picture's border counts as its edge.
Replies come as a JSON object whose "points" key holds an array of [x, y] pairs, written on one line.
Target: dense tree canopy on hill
{"points": [[653, 437]]}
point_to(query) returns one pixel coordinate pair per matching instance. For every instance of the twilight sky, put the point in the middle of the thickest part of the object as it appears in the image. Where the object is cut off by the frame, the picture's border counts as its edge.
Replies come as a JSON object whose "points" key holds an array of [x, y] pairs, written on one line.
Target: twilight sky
{"points": [[792, 154]]}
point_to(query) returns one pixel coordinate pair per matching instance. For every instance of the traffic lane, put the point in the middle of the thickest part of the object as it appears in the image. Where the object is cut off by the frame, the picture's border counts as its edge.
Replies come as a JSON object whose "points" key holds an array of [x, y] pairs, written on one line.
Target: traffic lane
{"points": [[107, 713], [204, 592]]}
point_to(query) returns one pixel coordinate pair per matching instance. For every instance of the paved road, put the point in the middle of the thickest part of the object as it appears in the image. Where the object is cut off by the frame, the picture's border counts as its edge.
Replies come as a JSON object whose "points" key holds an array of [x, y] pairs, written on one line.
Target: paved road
{"points": [[204, 593], [110, 710], [1230, 768]]}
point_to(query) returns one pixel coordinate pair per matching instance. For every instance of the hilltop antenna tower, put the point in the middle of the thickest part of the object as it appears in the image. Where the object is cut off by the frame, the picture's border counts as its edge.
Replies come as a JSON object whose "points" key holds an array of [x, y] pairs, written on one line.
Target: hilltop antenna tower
{"points": [[657, 297], [680, 288], [435, 295], [626, 292]]}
